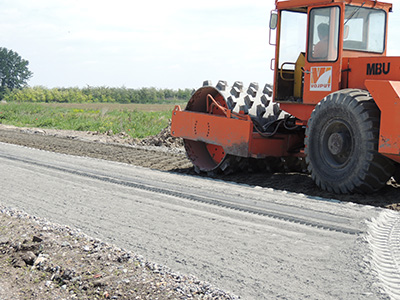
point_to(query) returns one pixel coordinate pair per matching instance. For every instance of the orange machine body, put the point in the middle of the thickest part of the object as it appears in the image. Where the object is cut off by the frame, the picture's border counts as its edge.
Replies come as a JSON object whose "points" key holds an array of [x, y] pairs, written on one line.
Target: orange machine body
{"points": [[236, 136]]}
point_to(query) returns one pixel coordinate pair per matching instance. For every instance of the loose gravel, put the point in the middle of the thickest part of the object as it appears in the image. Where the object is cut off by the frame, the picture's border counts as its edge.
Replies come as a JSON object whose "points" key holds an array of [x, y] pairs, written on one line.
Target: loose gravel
{"points": [[42, 260]]}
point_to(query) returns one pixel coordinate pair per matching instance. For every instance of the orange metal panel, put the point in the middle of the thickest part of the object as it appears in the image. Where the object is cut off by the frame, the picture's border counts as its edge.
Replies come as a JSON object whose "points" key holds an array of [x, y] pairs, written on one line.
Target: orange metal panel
{"points": [[262, 147], [232, 134], [372, 68], [277, 146], [300, 111], [300, 3], [236, 136], [387, 96], [351, 53]]}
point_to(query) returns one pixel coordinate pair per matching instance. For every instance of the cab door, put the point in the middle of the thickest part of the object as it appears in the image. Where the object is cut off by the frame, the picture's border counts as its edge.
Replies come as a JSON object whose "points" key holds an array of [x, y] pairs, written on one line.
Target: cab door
{"points": [[291, 46], [322, 72]]}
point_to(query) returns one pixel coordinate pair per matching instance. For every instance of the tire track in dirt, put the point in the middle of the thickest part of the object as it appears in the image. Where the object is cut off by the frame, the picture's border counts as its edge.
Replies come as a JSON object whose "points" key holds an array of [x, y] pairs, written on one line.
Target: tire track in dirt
{"points": [[384, 240], [294, 215]]}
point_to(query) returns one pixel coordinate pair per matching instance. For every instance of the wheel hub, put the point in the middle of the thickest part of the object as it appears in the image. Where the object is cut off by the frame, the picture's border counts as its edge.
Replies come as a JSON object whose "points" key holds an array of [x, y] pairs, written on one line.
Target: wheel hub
{"points": [[336, 143]]}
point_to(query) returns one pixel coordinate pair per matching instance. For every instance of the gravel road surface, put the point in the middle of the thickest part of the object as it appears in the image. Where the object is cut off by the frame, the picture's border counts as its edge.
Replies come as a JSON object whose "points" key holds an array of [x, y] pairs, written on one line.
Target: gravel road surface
{"points": [[292, 246], [173, 158]]}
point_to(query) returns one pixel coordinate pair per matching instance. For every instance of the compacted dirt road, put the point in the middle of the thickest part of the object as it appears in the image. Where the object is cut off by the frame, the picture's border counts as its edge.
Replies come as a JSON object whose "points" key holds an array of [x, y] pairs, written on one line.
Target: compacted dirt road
{"points": [[28, 271], [257, 243], [165, 153]]}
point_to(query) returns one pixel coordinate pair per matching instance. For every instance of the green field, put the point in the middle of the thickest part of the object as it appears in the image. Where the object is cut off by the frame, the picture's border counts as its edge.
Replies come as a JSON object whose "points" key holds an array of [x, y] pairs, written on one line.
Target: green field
{"points": [[137, 120]]}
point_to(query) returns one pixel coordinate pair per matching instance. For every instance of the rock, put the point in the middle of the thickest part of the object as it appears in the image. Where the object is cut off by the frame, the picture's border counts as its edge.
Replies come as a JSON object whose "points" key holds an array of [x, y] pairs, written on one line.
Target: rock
{"points": [[66, 244], [99, 283], [103, 281], [29, 258], [58, 279], [36, 239], [39, 131], [40, 259], [17, 262], [67, 274], [76, 279]]}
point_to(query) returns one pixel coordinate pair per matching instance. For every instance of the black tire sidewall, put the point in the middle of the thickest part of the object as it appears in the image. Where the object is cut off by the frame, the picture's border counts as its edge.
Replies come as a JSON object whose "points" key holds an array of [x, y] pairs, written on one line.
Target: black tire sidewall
{"points": [[344, 177]]}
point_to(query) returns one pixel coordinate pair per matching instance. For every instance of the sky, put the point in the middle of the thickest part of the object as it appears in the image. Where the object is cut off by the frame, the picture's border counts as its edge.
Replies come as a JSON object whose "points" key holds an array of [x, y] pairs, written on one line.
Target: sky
{"points": [[163, 44]]}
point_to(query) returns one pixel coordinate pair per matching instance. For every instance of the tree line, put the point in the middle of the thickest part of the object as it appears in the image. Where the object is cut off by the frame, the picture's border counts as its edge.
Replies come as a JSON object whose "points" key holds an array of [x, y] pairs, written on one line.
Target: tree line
{"points": [[14, 76], [96, 94]]}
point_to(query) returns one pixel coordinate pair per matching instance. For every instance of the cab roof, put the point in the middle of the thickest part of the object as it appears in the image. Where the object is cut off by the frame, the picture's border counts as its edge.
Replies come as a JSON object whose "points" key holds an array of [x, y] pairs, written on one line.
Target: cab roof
{"points": [[302, 5]]}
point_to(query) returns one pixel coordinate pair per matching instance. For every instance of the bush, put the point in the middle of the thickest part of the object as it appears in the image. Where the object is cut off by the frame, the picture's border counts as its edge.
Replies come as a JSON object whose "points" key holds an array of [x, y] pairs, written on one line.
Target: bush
{"points": [[96, 94]]}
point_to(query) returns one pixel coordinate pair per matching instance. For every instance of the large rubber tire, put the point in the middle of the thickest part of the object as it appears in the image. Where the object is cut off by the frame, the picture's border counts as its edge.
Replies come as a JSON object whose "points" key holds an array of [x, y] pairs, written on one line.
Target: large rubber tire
{"points": [[342, 144]]}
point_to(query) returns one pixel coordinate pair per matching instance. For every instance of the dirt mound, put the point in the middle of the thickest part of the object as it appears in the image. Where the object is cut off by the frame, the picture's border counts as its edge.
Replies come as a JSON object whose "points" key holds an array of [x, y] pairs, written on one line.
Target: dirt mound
{"points": [[164, 138]]}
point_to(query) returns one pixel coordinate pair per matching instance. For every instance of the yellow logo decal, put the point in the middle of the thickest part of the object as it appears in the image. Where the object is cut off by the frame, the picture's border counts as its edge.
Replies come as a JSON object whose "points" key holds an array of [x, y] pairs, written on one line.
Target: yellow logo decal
{"points": [[321, 79]]}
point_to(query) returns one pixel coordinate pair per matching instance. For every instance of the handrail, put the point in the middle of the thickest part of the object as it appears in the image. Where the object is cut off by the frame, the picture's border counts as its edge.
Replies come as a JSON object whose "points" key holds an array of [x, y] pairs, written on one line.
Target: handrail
{"points": [[227, 112], [281, 71]]}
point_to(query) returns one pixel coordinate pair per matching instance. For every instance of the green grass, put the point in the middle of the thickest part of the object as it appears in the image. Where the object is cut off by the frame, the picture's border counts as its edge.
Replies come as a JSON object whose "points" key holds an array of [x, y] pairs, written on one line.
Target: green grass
{"points": [[134, 122]]}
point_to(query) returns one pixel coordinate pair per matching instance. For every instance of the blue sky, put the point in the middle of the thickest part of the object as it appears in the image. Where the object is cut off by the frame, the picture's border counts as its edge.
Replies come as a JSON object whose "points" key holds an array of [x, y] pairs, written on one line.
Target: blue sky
{"points": [[163, 44]]}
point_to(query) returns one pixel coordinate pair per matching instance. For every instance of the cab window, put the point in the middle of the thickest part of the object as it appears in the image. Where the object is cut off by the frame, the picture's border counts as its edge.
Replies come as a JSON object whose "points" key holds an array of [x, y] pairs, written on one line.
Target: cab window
{"points": [[364, 29], [293, 36], [324, 34]]}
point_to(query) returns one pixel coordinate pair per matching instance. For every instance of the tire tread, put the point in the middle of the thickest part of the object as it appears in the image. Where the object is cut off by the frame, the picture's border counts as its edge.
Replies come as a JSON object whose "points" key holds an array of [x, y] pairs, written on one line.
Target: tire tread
{"points": [[374, 172]]}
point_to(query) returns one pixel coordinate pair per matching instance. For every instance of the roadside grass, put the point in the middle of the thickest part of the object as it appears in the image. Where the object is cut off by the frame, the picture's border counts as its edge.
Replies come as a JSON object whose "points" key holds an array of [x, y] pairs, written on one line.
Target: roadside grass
{"points": [[138, 121], [117, 106]]}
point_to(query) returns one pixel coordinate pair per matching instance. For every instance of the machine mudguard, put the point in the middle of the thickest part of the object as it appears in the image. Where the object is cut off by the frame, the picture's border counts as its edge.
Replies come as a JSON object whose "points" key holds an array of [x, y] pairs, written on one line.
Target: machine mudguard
{"points": [[386, 94]]}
